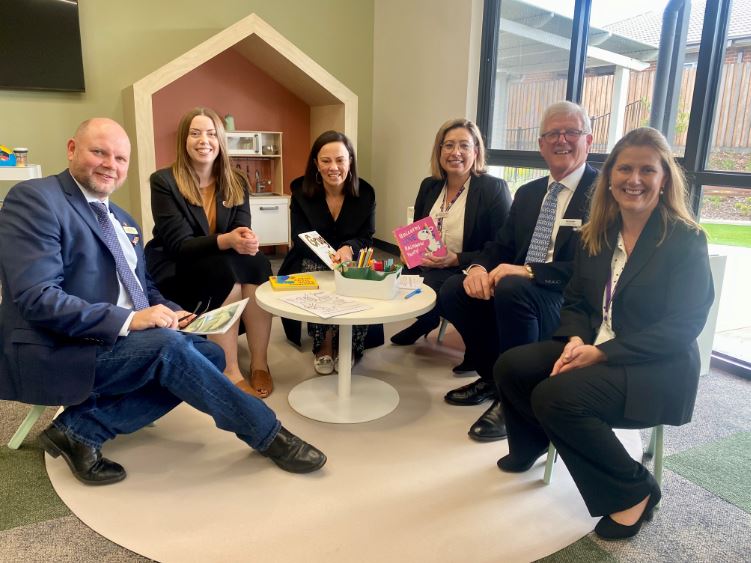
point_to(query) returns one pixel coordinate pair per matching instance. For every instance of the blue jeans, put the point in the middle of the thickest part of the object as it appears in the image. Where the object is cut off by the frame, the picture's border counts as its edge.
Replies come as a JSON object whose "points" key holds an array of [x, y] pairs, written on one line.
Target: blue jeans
{"points": [[148, 373]]}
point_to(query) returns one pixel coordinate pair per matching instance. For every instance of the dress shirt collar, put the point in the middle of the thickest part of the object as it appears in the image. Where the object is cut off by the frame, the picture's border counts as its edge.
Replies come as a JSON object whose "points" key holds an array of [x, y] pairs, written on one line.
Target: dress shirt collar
{"points": [[90, 196], [570, 181]]}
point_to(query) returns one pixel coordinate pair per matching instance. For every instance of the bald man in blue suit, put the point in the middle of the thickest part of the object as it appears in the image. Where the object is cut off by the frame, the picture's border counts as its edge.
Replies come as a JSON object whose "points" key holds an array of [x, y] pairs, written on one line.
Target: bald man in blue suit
{"points": [[82, 325]]}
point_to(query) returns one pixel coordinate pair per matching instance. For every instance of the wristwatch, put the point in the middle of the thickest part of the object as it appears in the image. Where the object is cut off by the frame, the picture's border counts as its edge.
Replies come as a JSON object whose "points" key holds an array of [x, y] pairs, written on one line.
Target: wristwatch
{"points": [[530, 272]]}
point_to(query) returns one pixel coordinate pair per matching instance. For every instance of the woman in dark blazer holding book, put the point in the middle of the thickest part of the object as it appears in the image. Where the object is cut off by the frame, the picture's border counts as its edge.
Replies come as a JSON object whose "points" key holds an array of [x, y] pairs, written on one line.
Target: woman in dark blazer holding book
{"points": [[332, 200], [468, 206], [203, 248], [625, 355]]}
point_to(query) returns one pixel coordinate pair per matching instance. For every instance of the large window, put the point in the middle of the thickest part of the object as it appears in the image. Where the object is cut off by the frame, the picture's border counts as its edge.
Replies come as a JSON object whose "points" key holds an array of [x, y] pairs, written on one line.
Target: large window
{"points": [[681, 66]]}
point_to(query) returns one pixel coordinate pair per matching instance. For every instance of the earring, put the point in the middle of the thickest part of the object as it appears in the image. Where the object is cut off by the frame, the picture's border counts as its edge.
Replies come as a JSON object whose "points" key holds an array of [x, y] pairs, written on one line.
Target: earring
{"points": [[610, 188], [662, 190], [318, 177]]}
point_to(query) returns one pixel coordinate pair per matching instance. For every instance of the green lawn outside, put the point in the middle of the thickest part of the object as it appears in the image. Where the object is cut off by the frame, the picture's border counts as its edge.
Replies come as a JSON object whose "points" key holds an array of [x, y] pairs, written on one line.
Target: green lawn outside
{"points": [[732, 235]]}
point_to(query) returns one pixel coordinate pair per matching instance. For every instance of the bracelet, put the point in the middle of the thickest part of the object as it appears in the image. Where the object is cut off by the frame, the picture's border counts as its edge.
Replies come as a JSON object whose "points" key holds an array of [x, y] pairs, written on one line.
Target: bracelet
{"points": [[530, 272]]}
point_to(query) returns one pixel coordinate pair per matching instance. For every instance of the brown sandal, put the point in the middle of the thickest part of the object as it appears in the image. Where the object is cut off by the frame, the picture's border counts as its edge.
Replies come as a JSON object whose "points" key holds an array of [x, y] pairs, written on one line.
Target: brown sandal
{"points": [[260, 381], [245, 387]]}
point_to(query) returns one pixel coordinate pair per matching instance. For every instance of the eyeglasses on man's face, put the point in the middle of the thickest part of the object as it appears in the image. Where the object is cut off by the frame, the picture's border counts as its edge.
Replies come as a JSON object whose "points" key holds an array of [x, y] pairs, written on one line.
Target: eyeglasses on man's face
{"points": [[450, 146], [570, 135]]}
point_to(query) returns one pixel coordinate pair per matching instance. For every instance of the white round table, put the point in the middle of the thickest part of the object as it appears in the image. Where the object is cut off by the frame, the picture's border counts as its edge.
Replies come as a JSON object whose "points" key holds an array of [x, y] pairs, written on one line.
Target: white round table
{"points": [[346, 398]]}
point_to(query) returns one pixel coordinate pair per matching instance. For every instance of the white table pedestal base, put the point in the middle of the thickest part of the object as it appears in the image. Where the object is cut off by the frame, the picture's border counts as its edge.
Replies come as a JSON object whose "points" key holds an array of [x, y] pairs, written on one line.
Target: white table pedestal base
{"points": [[317, 398]]}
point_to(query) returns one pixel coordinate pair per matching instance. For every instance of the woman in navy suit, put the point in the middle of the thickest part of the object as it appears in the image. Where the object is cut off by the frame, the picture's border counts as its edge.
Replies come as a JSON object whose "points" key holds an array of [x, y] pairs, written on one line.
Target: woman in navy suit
{"points": [[203, 248], [625, 355], [467, 204]]}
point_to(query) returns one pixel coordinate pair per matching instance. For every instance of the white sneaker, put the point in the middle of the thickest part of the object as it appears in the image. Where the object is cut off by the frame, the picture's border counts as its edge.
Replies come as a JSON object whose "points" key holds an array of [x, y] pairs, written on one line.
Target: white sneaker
{"points": [[323, 365]]}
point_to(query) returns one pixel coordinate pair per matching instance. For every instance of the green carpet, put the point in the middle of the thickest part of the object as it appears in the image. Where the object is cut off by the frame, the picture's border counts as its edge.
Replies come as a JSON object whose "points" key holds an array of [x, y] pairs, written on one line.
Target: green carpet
{"points": [[582, 551], [722, 467], [26, 494]]}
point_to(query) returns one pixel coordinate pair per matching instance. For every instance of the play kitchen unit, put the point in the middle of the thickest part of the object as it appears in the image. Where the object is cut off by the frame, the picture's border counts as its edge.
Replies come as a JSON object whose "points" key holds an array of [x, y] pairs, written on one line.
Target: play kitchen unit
{"points": [[259, 155]]}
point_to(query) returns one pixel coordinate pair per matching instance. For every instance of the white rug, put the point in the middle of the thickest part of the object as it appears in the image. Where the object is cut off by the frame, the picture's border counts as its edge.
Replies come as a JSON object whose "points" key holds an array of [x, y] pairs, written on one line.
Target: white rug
{"points": [[409, 487]]}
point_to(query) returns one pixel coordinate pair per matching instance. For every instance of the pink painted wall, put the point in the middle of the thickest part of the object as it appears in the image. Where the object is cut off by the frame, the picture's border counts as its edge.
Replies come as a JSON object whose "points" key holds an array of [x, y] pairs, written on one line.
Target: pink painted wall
{"points": [[229, 83]]}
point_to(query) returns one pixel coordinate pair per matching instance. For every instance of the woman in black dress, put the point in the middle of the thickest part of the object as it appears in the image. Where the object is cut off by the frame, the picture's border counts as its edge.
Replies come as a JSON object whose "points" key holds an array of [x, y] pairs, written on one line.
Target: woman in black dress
{"points": [[332, 200], [203, 248]]}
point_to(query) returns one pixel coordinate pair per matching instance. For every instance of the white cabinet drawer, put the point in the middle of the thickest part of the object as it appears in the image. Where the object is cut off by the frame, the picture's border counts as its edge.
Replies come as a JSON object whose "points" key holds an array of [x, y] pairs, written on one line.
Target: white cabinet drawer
{"points": [[269, 218]]}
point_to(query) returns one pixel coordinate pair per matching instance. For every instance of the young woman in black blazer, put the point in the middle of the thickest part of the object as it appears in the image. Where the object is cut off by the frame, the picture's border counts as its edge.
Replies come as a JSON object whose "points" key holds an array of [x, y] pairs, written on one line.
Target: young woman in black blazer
{"points": [[625, 355], [468, 205], [203, 248], [332, 200]]}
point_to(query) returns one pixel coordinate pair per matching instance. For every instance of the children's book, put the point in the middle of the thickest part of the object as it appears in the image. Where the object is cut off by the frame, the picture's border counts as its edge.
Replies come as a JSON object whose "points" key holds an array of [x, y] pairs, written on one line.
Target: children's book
{"points": [[293, 282], [216, 321], [319, 245], [418, 238]]}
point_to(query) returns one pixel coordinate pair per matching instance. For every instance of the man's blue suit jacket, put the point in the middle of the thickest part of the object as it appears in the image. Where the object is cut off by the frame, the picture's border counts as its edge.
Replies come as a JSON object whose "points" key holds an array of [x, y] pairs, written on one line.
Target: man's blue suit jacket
{"points": [[59, 289]]}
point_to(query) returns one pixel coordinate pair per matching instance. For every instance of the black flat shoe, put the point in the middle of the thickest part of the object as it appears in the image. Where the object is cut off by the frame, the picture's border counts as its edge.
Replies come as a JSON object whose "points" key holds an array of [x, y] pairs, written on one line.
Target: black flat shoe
{"points": [[293, 454], [467, 366], [86, 462], [609, 529], [475, 393], [410, 334], [519, 464], [491, 426]]}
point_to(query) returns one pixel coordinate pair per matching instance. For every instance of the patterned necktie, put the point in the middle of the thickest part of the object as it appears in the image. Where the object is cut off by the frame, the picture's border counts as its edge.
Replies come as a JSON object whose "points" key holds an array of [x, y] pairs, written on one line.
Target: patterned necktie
{"points": [[127, 277], [538, 246]]}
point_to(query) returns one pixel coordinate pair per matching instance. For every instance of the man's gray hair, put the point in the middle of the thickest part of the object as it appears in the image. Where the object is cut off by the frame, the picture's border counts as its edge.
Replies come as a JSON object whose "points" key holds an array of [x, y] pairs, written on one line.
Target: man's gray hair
{"points": [[566, 108]]}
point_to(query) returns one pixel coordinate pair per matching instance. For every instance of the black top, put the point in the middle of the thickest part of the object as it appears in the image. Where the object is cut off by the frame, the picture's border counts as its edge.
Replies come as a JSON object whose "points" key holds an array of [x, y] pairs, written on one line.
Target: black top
{"points": [[488, 203], [355, 225]]}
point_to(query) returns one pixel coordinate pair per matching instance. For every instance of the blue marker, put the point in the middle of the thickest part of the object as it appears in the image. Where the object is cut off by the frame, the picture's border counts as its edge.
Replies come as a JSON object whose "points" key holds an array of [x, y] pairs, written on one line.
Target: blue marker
{"points": [[413, 293]]}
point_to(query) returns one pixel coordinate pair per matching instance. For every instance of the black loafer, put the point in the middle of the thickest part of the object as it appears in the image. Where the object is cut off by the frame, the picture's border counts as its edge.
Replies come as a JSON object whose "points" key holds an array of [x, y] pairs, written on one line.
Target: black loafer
{"points": [[491, 426], [519, 464], [475, 393], [467, 366], [86, 462], [293, 454]]}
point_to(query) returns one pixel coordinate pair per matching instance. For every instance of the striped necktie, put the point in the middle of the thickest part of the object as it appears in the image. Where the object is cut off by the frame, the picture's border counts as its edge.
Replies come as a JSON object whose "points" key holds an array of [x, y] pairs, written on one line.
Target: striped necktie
{"points": [[127, 277], [538, 246]]}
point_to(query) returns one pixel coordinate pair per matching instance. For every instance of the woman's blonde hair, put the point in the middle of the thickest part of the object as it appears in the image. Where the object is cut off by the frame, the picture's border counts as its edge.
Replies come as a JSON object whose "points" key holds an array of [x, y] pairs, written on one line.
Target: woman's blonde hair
{"points": [[672, 202], [435, 158], [231, 184]]}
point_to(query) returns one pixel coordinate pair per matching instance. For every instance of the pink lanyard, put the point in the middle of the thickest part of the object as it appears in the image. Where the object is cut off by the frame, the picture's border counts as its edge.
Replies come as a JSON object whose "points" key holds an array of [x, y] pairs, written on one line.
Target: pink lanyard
{"points": [[609, 291], [446, 210]]}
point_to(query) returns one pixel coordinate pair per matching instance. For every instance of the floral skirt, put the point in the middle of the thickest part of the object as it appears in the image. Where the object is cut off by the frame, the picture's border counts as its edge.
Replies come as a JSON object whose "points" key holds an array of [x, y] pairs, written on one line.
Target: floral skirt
{"points": [[318, 331]]}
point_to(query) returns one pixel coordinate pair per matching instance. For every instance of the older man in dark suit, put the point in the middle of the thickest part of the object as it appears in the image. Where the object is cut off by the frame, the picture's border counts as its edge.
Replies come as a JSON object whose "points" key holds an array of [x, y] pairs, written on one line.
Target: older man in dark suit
{"points": [[82, 325], [512, 294]]}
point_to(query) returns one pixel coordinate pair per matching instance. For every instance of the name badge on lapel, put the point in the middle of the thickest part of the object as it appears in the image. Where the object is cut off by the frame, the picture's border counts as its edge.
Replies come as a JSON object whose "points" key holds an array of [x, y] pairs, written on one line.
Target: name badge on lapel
{"points": [[130, 230], [575, 223]]}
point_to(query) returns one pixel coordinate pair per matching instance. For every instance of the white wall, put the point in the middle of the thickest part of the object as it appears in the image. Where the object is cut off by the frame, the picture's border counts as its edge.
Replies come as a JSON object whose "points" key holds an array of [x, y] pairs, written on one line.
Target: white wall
{"points": [[426, 56]]}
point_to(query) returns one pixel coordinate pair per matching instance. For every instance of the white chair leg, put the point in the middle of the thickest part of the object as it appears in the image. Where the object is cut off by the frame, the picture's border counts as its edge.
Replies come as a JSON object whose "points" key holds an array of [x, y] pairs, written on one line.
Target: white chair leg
{"points": [[26, 426], [442, 330], [552, 456]]}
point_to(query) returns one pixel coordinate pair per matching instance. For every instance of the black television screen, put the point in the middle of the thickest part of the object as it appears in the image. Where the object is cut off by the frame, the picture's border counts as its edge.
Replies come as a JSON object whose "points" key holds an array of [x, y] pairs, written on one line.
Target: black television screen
{"points": [[40, 45]]}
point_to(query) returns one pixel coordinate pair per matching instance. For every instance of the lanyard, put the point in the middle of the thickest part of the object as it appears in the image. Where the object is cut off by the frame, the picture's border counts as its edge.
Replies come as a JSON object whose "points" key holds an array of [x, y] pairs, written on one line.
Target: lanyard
{"points": [[445, 208]]}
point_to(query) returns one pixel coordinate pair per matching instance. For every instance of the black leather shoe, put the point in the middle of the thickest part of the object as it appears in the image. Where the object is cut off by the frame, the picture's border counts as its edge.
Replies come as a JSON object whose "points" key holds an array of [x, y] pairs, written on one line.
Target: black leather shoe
{"points": [[467, 366], [491, 426], [293, 454], [86, 462], [519, 464], [609, 529], [414, 331], [475, 393]]}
